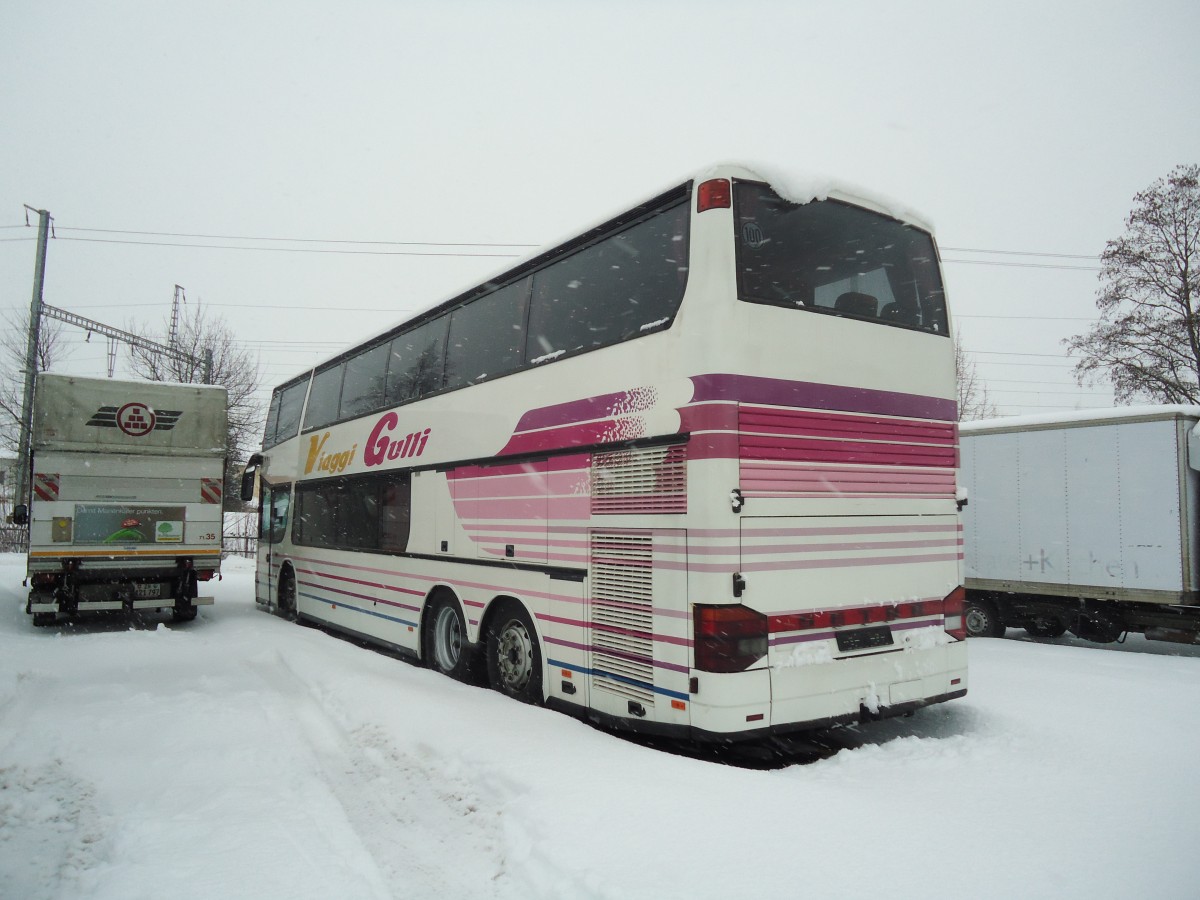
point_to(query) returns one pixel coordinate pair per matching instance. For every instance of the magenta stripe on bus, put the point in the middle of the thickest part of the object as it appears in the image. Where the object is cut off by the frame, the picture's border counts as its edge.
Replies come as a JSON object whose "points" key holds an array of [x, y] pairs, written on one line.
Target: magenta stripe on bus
{"points": [[841, 563], [811, 395]]}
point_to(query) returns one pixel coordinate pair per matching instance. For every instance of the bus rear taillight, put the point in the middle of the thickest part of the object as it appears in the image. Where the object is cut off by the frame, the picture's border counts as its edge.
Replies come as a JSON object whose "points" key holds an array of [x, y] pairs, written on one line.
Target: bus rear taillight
{"points": [[713, 194], [956, 622], [729, 638]]}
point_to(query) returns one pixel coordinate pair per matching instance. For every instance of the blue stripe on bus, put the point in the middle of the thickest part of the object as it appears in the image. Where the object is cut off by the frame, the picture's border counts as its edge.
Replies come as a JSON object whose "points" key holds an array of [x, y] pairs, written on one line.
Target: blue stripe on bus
{"points": [[370, 612], [583, 670]]}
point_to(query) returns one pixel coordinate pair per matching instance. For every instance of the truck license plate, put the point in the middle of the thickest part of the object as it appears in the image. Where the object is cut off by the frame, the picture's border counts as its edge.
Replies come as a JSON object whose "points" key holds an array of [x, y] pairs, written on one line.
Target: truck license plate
{"points": [[147, 591], [862, 638]]}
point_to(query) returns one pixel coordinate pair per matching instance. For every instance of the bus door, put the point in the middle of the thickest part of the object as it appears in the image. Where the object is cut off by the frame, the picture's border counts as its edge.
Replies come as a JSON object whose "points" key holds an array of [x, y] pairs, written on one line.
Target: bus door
{"points": [[273, 530]]}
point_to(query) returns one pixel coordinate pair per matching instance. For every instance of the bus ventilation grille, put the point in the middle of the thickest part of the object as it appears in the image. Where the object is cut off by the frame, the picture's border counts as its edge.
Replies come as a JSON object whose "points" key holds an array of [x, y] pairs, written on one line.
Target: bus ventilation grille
{"points": [[640, 480], [622, 615]]}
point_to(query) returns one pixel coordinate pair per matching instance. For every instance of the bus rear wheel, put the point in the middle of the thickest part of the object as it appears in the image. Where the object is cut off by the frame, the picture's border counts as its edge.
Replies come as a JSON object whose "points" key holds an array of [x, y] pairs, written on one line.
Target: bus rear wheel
{"points": [[446, 647], [513, 655]]}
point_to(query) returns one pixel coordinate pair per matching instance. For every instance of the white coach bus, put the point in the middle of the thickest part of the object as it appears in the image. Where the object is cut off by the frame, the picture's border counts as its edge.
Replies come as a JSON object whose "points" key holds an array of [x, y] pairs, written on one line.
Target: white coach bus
{"points": [[690, 472]]}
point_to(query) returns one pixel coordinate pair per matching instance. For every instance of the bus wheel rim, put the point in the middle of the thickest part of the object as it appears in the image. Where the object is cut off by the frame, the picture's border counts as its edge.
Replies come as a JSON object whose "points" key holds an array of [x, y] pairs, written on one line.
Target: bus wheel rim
{"points": [[515, 656], [447, 638]]}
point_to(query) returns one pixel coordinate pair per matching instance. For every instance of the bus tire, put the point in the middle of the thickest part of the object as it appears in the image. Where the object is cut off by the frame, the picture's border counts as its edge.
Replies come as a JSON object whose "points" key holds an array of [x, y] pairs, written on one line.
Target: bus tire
{"points": [[285, 602], [514, 659], [981, 618], [445, 646]]}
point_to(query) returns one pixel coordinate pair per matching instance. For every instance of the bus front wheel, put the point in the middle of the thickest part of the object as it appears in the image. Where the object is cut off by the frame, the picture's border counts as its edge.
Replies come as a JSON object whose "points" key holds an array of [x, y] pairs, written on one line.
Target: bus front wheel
{"points": [[513, 655], [285, 605]]}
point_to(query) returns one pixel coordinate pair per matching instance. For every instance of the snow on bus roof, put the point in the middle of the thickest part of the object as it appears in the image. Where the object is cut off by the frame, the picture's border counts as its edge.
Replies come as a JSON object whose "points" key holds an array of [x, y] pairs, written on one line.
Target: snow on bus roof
{"points": [[1080, 417], [804, 187], [793, 186]]}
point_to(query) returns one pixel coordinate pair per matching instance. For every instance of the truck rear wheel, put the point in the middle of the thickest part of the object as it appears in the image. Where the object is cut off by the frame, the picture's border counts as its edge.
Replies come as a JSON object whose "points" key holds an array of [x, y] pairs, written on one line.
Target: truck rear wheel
{"points": [[183, 612], [43, 619], [1097, 627], [1046, 627], [981, 618]]}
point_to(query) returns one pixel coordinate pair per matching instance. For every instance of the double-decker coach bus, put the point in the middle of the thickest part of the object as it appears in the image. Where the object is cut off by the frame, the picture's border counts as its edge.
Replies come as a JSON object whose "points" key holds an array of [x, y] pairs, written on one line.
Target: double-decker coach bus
{"points": [[691, 471]]}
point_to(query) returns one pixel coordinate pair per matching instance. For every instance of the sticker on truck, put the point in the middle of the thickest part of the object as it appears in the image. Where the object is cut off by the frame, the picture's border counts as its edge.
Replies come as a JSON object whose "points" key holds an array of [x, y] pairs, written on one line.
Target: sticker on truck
{"points": [[128, 524]]}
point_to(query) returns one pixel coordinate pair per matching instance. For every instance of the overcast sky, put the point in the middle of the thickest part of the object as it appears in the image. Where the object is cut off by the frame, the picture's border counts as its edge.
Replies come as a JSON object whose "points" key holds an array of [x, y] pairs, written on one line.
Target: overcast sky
{"points": [[1011, 126]]}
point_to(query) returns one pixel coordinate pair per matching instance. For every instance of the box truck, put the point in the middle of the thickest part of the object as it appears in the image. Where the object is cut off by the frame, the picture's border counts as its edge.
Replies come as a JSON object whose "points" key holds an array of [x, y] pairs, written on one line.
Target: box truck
{"points": [[1086, 522], [126, 484]]}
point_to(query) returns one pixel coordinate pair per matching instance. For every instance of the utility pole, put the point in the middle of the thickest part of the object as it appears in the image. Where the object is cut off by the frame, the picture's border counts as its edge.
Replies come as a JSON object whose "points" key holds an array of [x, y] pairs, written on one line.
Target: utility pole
{"points": [[31, 351]]}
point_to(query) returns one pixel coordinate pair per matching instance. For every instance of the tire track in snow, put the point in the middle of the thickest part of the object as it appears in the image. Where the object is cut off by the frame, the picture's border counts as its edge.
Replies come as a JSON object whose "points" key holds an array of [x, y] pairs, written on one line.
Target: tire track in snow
{"points": [[411, 812]]}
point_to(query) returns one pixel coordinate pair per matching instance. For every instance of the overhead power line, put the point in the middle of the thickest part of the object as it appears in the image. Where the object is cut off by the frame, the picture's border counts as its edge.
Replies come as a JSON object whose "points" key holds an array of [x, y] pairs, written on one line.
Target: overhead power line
{"points": [[285, 249], [483, 246], [1013, 252], [293, 240]]}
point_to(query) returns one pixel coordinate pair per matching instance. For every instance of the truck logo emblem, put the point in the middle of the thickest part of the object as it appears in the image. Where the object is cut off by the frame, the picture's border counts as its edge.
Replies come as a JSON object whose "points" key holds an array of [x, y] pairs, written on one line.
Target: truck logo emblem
{"points": [[135, 419]]}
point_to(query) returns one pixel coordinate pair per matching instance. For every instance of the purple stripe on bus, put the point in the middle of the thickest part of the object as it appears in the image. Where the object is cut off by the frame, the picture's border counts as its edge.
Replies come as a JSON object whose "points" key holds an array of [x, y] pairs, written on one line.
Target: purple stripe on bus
{"points": [[809, 395]]}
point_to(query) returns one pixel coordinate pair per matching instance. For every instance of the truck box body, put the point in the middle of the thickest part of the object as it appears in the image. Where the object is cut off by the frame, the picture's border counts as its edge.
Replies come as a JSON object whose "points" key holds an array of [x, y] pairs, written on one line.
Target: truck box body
{"points": [[1096, 510], [126, 490]]}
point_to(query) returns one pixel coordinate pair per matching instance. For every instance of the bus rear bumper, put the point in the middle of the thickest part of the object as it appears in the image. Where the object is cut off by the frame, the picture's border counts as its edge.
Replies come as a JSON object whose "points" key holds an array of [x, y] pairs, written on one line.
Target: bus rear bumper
{"points": [[830, 692]]}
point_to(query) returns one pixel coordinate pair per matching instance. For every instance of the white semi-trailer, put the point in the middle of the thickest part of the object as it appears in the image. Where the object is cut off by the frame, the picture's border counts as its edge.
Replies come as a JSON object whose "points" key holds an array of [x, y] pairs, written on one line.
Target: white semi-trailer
{"points": [[1085, 522], [125, 496]]}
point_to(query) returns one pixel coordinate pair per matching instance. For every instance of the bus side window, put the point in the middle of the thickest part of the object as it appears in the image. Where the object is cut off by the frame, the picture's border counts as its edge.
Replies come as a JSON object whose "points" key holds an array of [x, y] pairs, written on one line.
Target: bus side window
{"points": [[487, 336], [281, 501], [417, 362], [395, 512], [362, 389], [324, 397]]}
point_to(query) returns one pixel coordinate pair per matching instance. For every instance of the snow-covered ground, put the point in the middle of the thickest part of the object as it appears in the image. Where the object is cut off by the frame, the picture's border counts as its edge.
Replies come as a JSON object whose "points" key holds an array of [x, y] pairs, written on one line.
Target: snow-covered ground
{"points": [[241, 756]]}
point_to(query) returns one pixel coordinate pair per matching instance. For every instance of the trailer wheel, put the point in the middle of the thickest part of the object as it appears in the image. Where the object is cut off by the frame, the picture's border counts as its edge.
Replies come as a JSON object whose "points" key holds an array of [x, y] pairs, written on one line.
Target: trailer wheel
{"points": [[513, 656], [445, 646], [981, 618], [44, 619], [285, 604], [1046, 627]]}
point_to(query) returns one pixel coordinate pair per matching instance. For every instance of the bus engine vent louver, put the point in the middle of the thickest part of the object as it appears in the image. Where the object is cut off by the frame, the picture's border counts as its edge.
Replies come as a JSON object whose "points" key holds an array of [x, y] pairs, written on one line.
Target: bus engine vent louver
{"points": [[641, 480], [622, 615]]}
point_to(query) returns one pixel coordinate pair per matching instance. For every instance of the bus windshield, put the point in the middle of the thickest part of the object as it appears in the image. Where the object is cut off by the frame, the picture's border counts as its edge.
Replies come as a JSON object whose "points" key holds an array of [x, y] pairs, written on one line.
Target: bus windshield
{"points": [[831, 257]]}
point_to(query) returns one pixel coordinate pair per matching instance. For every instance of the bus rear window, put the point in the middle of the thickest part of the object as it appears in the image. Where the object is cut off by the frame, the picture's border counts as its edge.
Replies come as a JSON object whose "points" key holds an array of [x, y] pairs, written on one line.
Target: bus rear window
{"points": [[834, 258]]}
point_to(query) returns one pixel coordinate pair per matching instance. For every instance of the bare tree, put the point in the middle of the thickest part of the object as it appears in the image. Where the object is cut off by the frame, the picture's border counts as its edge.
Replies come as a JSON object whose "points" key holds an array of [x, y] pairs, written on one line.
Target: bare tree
{"points": [[14, 338], [973, 400], [1147, 342], [232, 367]]}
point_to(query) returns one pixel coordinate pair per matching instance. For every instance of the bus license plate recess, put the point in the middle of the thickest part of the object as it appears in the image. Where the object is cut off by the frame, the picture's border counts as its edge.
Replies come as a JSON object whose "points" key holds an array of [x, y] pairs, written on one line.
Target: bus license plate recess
{"points": [[862, 638]]}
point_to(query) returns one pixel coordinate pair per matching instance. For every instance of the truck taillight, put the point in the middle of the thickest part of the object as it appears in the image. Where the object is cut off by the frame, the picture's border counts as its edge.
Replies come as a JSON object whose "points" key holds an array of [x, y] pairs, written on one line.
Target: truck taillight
{"points": [[729, 638], [956, 622], [713, 194]]}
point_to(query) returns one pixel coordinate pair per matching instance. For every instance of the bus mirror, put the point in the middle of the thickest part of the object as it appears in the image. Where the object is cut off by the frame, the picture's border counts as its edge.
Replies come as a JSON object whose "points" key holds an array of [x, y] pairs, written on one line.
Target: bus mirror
{"points": [[248, 477], [20, 514]]}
